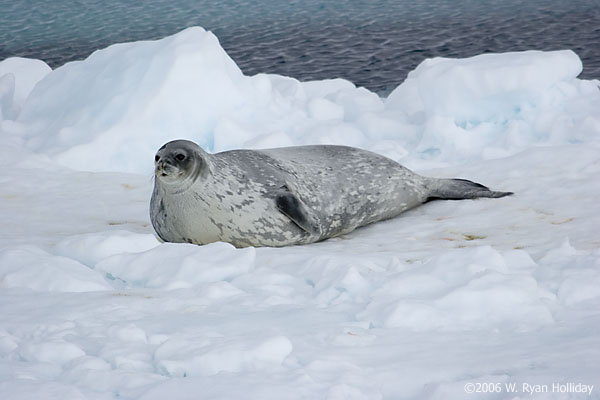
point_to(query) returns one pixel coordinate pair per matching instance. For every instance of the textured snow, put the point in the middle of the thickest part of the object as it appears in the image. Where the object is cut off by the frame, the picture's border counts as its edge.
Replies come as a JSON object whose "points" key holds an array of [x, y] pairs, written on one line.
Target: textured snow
{"points": [[94, 306], [140, 95], [18, 76]]}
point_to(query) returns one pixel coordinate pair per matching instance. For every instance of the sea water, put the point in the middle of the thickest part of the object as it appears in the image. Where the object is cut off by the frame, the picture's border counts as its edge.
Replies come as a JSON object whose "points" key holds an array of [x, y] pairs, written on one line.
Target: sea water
{"points": [[373, 44]]}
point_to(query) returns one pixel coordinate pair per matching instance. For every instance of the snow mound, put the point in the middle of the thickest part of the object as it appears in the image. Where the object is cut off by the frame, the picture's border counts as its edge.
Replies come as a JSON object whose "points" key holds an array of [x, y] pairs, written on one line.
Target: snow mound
{"points": [[30, 267], [477, 88], [25, 389], [214, 356], [463, 289], [579, 281], [144, 92], [18, 77], [57, 351], [112, 111], [91, 248], [175, 265], [494, 105]]}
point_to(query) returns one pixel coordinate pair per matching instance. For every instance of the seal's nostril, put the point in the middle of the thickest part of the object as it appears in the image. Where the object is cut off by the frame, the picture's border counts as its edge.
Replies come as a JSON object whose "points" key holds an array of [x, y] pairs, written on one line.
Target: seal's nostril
{"points": [[156, 158]]}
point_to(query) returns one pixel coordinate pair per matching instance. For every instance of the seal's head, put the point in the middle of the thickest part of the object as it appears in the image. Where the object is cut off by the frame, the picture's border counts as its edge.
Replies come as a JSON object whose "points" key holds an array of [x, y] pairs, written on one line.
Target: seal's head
{"points": [[179, 163]]}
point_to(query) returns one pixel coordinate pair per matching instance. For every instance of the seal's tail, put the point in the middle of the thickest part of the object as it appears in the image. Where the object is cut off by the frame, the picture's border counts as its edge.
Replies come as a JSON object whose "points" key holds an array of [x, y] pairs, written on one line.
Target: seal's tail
{"points": [[458, 189]]}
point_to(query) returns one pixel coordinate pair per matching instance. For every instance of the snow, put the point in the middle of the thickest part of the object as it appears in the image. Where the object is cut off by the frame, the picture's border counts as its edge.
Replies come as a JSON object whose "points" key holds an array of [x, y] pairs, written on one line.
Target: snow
{"points": [[18, 76], [503, 291], [31, 267]]}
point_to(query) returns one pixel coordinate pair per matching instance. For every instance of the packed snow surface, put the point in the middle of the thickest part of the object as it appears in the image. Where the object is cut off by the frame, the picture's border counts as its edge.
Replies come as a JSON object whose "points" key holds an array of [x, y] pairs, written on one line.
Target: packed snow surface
{"points": [[449, 297]]}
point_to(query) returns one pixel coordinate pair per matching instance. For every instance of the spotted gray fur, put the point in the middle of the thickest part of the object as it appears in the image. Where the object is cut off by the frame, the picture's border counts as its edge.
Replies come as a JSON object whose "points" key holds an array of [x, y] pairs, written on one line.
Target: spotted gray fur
{"points": [[284, 196]]}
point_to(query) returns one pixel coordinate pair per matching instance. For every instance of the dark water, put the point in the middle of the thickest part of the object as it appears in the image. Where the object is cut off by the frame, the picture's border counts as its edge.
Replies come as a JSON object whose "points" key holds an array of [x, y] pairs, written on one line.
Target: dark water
{"points": [[371, 43]]}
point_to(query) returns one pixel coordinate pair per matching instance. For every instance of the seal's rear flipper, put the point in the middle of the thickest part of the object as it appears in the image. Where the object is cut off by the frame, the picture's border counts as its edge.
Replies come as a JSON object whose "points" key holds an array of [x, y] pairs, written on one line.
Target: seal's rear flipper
{"points": [[458, 189], [293, 208]]}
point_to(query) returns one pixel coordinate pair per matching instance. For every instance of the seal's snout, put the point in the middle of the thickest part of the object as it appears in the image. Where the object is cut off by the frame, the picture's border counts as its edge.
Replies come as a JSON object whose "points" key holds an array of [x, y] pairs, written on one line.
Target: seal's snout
{"points": [[163, 167], [159, 170]]}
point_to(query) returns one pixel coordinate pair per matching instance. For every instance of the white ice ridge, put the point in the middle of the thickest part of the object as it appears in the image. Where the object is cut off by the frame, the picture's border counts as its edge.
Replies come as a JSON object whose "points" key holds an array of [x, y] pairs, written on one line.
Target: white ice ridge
{"points": [[91, 114]]}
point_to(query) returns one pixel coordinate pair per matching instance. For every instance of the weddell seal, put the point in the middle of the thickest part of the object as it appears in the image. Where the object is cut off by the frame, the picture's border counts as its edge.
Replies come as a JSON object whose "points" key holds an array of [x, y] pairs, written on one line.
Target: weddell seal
{"points": [[285, 196]]}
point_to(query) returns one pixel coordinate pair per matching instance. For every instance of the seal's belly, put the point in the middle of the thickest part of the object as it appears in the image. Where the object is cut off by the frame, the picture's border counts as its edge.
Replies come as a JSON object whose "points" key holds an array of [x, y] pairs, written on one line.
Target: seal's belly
{"points": [[254, 220], [255, 223]]}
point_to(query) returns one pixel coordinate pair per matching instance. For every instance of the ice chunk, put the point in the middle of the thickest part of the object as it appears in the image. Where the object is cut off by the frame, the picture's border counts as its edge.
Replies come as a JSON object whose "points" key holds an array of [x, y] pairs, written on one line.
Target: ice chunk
{"points": [[90, 248], [30, 267], [18, 77], [178, 265]]}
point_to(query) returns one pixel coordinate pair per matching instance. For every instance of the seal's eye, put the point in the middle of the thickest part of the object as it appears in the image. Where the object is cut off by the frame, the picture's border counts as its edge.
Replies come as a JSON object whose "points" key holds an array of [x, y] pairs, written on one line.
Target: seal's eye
{"points": [[156, 158], [180, 156]]}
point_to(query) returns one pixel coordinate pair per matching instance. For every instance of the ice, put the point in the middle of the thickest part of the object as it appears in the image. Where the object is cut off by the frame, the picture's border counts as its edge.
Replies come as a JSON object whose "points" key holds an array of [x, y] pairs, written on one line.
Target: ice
{"points": [[485, 87], [18, 76], [194, 265], [223, 357], [88, 114], [465, 289], [91, 248], [492, 105], [94, 306], [578, 280], [33, 268], [55, 352], [25, 389]]}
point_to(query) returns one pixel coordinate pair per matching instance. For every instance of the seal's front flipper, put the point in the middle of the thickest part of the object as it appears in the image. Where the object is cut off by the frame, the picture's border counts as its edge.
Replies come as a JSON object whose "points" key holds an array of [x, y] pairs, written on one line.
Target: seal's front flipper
{"points": [[293, 208]]}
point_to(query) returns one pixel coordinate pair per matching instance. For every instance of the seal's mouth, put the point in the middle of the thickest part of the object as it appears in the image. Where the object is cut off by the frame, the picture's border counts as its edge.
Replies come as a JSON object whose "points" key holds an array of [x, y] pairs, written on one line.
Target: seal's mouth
{"points": [[165, 170]]}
